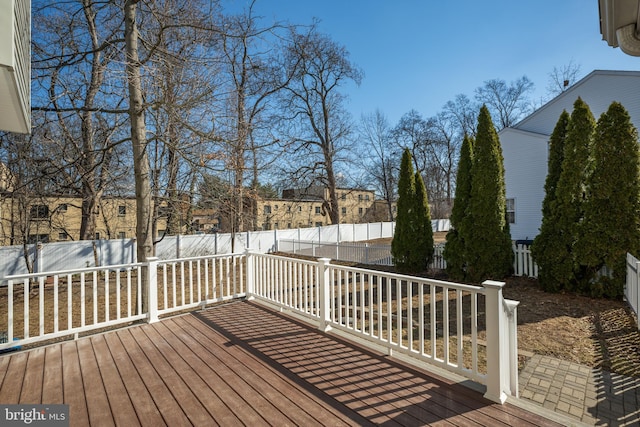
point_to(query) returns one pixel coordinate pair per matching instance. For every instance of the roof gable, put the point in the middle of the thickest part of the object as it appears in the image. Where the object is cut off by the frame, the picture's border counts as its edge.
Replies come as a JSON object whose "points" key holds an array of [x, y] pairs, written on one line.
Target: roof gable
{"points": [[598, 89]]}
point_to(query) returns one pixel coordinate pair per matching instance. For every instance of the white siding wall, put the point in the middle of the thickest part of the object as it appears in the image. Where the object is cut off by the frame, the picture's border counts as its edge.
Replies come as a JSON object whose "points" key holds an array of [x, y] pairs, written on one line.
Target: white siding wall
{"points": [[525, 159], [525, 145], [599, 89]]}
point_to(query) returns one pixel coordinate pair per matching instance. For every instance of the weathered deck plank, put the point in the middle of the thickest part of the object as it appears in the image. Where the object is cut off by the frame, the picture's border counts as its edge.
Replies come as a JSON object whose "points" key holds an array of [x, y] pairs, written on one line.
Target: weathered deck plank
{"points": [[239, 364]]}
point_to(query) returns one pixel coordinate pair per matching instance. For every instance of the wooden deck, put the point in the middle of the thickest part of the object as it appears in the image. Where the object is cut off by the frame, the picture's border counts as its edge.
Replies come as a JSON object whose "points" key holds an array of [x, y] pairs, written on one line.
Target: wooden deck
{"points": [[239, 364]]}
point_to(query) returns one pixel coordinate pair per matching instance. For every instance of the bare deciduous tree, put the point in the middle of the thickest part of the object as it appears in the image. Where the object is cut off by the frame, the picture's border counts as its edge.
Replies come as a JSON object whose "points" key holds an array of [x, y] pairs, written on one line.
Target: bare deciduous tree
{"points": [[319, 127], [507, 103], [562, 78], [375, 133]]}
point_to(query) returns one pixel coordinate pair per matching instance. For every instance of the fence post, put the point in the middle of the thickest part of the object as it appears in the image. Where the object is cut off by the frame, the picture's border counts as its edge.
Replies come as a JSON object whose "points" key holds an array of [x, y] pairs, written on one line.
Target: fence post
{"points": [[250, 274], [497, 367], [178, 244], [152, 288], [38, 267], [324, 294]]}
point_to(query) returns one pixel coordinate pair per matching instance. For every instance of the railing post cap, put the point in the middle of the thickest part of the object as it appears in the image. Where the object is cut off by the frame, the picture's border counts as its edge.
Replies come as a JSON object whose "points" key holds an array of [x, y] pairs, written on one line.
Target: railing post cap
{"points": [[324, 260], [493, 284], [153, 259]]}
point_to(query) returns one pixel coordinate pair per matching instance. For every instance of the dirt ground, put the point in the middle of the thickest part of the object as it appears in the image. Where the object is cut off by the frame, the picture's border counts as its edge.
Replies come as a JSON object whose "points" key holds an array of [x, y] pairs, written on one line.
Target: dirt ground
{"points": [[594, 332]]}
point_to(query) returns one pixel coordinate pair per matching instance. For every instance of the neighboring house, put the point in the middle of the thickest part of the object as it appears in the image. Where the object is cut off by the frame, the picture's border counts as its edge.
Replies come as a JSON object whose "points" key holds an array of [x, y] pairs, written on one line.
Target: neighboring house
{"points": [[525, 145], [15, 66], [304, 208], [54, 219]]}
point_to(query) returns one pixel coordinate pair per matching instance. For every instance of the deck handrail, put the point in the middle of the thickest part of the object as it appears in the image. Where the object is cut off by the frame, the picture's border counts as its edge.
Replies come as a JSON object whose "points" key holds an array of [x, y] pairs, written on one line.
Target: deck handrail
{"points": [[54, 304], [453, 326], [363, 303]]}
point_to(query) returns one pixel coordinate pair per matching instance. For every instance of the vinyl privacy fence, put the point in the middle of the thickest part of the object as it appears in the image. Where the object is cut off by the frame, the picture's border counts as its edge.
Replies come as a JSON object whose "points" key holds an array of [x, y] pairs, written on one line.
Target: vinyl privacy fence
{"points": [[85, 254]]}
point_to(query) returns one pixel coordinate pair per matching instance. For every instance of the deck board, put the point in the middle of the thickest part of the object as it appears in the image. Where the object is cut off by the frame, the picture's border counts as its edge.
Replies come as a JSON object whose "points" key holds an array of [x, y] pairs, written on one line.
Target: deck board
{"points": [[32, 386], [239, 364], [52, 391], [73, 387]]}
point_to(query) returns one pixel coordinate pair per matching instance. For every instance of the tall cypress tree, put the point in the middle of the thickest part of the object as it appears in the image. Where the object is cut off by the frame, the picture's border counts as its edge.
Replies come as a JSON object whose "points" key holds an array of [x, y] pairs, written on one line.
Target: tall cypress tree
{"points": [[611, 223], [488, 250], [454, 247], [423, 237], [403, 236], [570, 196], [544, 249]]}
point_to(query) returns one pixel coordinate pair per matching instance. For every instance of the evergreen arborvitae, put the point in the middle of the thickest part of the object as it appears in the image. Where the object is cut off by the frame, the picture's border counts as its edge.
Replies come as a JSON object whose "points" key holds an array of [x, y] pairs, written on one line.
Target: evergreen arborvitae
{"points": [[403, 237], [488, 249], [544, 246], [456, 237], [423, 237], [570, 197], [611, 223]]}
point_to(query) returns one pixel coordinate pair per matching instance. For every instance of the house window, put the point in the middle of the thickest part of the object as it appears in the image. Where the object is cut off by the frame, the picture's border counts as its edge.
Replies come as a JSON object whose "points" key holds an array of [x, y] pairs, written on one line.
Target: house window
{"points": [[319, 224], [267, 209], [97, 236], [366, 197], [360, 211], [62, 207], [122, 235], [344, 196], [344, 211], [39, 212], [38, 238], [122, 210], [317, 210], [299, 208], [359, 197], [63, 236], [511, 211], [276, 226]]}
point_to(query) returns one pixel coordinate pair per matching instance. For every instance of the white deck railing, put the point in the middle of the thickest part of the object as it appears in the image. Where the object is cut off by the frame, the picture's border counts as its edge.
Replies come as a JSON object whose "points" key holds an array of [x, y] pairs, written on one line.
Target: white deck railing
{"points": [[49, 305], [457, 327], [468, 330]]}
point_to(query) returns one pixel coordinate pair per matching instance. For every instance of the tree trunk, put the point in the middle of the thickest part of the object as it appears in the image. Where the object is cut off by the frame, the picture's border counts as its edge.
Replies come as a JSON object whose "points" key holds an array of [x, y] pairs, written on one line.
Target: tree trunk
{"points": [[141, 167]]}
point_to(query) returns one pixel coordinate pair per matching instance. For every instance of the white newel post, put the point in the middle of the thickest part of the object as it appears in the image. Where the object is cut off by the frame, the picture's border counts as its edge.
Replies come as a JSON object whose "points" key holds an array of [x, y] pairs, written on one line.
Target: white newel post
{"points": [[324, 294], [152, 283], [497, 367], [512, 315], [250, 274]]}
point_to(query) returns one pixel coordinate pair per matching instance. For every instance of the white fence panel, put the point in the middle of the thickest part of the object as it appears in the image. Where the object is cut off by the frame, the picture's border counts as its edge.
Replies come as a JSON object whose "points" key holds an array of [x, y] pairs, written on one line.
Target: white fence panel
{"points": [[632, 287], [263, 241], [329, 233], [80, 254], [12, 259], [523, 264], [167, 247]]}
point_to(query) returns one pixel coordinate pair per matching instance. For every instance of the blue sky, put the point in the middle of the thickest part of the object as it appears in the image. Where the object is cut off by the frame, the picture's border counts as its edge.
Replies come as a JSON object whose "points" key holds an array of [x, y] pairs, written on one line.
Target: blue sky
{"points": [[419, 54]]}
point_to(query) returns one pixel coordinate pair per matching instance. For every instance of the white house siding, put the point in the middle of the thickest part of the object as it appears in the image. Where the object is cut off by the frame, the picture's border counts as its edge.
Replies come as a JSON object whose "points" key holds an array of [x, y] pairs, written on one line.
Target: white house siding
{"points": [[598, 89], [525, 146], [525, 158]]}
